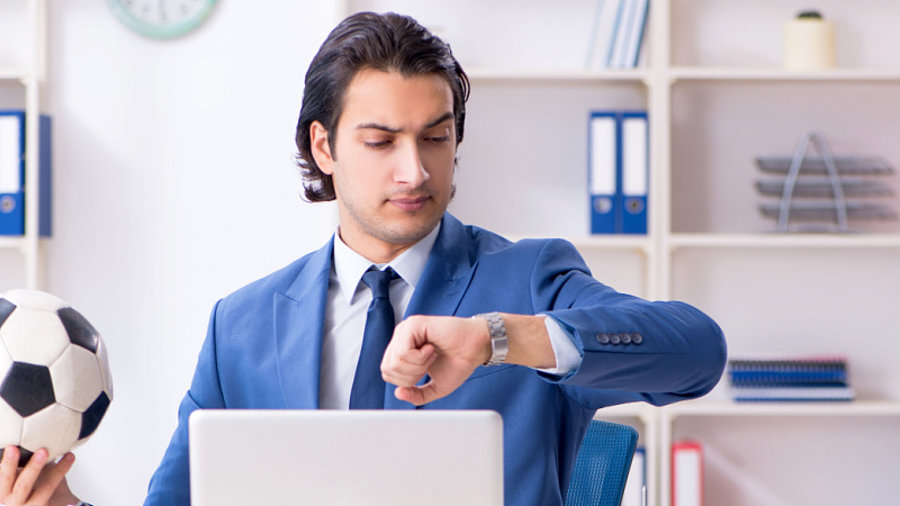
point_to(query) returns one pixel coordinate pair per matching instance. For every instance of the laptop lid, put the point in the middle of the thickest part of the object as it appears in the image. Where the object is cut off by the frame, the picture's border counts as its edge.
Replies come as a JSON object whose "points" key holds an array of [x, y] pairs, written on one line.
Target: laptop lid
{"points": [[330, 457]]}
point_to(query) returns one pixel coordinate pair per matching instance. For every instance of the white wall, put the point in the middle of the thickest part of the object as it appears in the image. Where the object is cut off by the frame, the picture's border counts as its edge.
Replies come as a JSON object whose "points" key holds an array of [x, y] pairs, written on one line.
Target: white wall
{"points": [[175, 184]]}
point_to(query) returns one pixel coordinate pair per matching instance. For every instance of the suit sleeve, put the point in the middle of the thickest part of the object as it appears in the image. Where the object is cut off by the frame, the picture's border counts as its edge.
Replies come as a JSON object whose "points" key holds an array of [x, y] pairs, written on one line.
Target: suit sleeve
{"points": [[632, 349], [170, 484]]}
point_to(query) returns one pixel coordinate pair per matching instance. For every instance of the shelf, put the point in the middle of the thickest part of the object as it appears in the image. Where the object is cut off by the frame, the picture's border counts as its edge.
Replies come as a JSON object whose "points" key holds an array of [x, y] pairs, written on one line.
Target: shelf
{"points": [[630, 410], [638, 242], [778, 74], [852, 408], [615, 241], [7, 74], [557, 76], [773, 240], [640, 410], [12, 242]]}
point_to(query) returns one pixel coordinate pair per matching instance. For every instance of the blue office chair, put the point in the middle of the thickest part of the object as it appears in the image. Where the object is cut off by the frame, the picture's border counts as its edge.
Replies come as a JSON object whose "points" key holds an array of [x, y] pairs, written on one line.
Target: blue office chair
{"points": [[602, 465]]}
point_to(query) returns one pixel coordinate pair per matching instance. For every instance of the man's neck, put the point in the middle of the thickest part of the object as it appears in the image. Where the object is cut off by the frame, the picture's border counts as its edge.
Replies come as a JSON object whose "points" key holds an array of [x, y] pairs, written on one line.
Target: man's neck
{"points": [[380, 253], [377, 251]]}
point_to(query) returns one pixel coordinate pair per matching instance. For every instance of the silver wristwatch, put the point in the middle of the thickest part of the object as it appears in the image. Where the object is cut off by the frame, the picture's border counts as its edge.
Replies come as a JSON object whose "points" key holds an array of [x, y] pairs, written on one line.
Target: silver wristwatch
{"points": [[499, 340]]}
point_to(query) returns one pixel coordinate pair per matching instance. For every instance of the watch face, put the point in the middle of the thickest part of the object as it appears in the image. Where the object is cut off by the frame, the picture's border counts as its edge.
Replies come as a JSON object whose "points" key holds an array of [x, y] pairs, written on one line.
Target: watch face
{"points": [[162, 19]]}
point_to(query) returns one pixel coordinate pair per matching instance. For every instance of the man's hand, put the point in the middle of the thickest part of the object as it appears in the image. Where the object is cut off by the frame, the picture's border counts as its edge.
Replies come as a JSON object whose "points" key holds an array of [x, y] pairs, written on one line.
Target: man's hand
{"points": [[449, 348], [38, 483], [446, 348]]}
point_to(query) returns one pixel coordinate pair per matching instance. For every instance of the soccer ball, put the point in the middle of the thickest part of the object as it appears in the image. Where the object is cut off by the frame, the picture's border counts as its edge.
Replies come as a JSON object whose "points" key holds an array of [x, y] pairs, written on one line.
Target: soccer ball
{"points": [[55, 384]]}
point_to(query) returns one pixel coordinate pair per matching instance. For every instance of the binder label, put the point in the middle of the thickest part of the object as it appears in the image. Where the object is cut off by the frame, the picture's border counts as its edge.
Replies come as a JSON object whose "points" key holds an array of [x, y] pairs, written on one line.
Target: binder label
{"points": [[10, 157]]}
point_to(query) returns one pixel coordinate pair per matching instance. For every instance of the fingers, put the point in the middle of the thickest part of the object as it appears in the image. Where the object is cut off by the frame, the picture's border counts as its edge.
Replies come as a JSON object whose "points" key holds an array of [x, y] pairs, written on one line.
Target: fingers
{"points": [[34, 483], [9, 468], [418, 395], [49, 480], [408, 367], [29, 474]]}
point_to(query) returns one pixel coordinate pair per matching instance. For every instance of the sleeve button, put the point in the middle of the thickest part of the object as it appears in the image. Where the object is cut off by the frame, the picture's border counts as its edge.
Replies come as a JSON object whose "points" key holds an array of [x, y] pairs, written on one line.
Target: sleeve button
{"points": [[637, 338], [603, 338]]}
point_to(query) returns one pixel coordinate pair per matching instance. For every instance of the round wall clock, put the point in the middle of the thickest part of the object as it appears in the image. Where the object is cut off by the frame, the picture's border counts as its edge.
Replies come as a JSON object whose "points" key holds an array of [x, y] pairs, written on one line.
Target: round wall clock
{"points": [[162, 19]]}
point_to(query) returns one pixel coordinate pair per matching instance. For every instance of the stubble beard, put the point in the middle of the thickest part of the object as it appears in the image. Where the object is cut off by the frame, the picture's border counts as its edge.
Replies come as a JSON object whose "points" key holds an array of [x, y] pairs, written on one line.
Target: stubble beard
{"points": [[394, 231]]}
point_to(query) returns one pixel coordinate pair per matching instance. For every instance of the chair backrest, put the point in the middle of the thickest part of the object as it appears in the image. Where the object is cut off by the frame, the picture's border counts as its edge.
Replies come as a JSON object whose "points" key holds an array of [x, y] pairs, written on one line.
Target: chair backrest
{"points": [[602, 465]]}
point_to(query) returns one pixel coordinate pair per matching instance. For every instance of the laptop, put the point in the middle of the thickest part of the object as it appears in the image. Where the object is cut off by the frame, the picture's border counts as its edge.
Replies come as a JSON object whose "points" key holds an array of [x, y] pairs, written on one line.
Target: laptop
{"points": [[330, 457]]}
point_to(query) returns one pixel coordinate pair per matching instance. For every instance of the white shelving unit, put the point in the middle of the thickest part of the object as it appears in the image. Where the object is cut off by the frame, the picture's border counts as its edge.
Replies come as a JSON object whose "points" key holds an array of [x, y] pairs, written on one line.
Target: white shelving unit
{"points": [[716, 97], [30, 77], [699, 418]]}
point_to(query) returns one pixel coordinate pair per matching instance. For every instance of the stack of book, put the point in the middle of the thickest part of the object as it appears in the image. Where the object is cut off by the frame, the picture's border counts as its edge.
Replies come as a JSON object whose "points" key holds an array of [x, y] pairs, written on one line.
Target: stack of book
{"points": [[790, 379]]}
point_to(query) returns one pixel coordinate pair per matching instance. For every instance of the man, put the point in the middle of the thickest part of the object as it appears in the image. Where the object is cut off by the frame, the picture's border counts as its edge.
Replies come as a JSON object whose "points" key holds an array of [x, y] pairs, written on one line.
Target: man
{"points": [[383, 113]]}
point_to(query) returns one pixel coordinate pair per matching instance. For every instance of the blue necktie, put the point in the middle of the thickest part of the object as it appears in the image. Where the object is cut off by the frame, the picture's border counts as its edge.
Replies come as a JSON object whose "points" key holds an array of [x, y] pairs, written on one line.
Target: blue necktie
{"points": [[368, 386]]}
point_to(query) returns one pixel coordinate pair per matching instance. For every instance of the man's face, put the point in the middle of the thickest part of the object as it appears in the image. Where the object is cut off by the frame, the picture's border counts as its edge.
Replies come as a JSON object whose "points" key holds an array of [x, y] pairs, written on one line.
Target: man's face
{"points": [[393, 160]]}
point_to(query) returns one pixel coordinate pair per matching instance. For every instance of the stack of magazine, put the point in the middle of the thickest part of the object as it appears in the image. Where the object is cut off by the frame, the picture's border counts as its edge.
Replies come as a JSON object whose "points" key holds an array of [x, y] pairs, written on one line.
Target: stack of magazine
{"points": [[806, 378]]}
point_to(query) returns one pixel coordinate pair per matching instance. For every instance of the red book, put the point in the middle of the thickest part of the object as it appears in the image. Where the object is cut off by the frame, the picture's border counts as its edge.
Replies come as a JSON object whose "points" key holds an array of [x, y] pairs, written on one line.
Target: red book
{"points": [[687, 473]]}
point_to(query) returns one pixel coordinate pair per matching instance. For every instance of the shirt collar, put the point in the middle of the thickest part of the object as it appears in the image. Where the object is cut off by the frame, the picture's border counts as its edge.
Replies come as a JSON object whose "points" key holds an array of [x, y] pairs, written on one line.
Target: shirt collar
{"points": [[349, 266]]}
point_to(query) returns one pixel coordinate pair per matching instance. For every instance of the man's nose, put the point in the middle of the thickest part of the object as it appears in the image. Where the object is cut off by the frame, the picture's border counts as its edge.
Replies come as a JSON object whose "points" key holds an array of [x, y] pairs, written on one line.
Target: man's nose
{"points": [[410, 169]]}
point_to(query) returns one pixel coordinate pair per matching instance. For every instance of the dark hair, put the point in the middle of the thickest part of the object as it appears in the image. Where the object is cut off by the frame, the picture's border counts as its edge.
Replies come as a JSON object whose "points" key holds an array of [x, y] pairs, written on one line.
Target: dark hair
{"points": [[366, 40]]}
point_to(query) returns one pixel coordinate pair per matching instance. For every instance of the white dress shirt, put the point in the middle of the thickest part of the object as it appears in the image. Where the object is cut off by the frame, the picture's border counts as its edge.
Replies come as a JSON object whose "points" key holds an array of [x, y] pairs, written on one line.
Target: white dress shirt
{"points": [[345, 317]]}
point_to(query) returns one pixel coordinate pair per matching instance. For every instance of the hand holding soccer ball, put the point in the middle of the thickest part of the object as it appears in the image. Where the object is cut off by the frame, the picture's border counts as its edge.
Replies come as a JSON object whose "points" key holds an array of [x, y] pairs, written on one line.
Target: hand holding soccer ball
{"points": [[55, 384]]}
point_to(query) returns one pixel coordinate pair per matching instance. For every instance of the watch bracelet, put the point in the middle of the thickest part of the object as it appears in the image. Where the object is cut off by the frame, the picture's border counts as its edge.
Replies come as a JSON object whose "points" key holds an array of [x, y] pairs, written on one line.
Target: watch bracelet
{"points": [[499, 338]]}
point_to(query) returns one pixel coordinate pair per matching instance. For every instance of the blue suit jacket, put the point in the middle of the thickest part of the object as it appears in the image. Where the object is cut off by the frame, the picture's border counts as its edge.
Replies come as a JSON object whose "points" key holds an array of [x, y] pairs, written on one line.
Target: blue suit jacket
{"points": [[264, 343]]}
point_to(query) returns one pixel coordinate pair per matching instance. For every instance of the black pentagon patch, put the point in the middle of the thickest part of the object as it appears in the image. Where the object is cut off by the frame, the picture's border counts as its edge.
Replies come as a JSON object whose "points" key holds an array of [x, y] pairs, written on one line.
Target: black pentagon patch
{"points": [[27, 388], [6, 309], [80, 331], [24, 455], [90, 419]]}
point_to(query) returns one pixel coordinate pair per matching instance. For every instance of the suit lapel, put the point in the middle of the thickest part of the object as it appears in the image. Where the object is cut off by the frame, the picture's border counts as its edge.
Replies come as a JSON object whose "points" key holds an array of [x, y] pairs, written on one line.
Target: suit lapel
{"points": [[299, 321], [443, 283], [447, 273]]}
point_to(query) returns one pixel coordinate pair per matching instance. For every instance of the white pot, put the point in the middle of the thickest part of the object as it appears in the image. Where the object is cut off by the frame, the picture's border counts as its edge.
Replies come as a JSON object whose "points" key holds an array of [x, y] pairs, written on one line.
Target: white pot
{"points": [[808, 44]]}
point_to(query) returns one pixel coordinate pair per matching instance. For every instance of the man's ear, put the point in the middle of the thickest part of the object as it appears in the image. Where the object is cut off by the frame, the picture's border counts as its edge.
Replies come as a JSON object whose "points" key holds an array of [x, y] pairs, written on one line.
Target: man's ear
{"points": [[321, 149]]}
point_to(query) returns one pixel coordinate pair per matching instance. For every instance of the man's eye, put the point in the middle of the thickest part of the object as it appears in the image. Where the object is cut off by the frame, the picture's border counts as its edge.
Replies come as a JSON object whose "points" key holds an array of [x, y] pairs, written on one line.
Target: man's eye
{"points": [[438, 139], [376, 144]]}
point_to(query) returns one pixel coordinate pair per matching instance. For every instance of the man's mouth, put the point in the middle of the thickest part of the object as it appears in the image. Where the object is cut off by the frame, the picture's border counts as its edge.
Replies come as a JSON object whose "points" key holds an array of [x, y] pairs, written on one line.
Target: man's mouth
{"points": [[410, 203]]}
